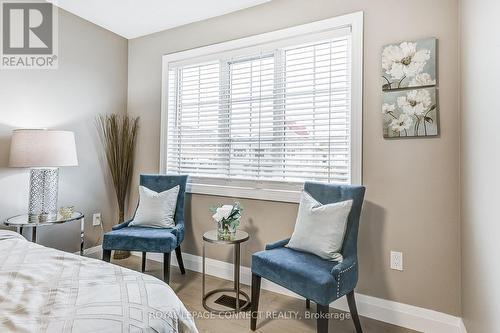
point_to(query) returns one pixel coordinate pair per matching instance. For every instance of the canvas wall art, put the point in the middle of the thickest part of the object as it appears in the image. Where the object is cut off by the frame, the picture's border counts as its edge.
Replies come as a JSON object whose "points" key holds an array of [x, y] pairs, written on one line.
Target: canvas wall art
{"points": [[409, 64], [410, 113]]}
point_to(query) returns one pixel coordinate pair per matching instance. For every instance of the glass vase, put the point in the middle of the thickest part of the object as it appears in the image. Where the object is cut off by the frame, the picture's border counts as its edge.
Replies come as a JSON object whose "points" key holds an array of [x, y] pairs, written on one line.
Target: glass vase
{"points": [[225, 231]]}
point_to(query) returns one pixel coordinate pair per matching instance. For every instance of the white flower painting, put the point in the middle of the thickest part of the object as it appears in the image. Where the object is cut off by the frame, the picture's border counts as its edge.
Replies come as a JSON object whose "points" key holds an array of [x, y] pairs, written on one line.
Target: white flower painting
{"points": [[409, 64], [410, 113]]}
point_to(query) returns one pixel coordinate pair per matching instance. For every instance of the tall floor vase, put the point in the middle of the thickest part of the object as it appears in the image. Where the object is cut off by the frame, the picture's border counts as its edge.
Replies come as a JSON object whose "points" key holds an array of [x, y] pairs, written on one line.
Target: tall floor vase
{"points": [[118, 135]]}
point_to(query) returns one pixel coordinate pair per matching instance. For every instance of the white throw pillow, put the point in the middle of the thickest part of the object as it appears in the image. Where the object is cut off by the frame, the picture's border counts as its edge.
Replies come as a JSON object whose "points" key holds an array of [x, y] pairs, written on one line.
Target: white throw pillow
{"points": [[320, 229], [156, 209]]}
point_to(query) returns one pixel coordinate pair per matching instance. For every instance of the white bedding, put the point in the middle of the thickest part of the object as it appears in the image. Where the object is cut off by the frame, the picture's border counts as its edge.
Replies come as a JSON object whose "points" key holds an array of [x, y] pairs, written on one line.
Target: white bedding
{"points": [[46, 290]]}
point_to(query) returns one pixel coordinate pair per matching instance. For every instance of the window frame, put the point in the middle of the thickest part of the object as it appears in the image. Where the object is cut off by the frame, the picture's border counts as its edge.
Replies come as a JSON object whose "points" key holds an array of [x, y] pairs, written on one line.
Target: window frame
{"points": [[264, 190]]}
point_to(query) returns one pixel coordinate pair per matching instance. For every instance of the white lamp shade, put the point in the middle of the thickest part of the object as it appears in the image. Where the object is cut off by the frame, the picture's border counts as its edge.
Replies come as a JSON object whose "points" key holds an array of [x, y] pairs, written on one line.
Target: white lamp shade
{"points": [[31, 148]]}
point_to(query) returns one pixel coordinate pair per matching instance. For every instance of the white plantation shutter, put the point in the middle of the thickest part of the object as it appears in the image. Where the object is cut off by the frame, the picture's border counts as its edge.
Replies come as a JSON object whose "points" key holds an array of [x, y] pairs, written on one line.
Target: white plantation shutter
{"points": [[196, 142], [271, 119], [316, 112]]}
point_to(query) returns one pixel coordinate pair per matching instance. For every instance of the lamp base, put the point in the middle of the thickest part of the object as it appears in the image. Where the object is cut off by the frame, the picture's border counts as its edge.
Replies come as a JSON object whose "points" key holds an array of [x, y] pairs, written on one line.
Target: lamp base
{"points": [[43, 195]]}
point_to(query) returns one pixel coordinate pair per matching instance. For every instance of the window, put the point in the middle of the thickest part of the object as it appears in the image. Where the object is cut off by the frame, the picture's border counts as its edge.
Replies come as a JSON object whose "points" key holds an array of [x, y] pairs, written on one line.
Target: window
{"points": [[259, 120]]}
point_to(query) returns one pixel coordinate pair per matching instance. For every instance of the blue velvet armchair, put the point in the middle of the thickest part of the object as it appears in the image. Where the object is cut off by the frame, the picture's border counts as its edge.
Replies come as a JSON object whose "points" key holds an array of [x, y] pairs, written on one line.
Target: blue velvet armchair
{"points": [[145, 239], [308, 275]]}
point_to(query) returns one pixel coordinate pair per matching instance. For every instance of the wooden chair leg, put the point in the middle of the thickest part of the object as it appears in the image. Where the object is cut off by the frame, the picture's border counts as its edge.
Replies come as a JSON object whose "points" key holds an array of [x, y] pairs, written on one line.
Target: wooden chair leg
{"points": [[322, 320], [166, 267], [178, 254], [254, 306], [354, 311], [143, 266], [106, 255], [308, 303]]}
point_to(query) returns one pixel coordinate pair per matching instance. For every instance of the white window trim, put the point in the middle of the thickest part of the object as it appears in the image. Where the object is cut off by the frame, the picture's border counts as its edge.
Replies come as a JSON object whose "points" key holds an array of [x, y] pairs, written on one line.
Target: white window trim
{"points": [[355, 22]]}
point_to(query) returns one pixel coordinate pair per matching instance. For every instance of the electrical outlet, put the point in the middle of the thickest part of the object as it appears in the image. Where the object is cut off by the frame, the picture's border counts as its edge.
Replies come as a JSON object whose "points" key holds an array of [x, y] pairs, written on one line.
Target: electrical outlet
{"points": [[96, 220], [397, 260]]}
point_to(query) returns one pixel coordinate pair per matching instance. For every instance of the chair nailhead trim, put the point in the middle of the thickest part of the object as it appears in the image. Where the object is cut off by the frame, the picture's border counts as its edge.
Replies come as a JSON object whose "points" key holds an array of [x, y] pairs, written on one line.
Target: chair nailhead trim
{"points": [[340, 277]]}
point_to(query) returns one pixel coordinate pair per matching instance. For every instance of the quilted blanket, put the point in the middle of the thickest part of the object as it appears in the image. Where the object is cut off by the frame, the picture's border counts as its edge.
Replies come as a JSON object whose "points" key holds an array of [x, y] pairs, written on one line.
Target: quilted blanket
{"points": [[46, 290]]}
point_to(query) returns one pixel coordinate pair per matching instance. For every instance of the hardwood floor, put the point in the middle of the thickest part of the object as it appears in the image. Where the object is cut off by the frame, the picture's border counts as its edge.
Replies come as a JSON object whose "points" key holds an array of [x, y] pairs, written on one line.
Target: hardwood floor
{"points": [[188, 288]]}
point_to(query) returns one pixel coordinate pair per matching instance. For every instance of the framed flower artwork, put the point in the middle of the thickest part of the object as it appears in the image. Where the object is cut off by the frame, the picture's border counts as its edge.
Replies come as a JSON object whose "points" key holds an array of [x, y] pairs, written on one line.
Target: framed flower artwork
{"points": [[410, 113], [409, 64]]}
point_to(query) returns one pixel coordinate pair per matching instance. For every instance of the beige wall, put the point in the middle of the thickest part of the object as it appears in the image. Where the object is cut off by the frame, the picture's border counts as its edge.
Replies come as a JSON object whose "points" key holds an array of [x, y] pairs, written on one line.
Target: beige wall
{"points": [[412, 185], [480, 165], [91, 79]]}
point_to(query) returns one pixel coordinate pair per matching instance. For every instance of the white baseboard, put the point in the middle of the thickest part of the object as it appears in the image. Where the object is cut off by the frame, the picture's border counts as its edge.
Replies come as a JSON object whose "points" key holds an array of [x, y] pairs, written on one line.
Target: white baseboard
{"points": [[404, 315], [91, 250]]}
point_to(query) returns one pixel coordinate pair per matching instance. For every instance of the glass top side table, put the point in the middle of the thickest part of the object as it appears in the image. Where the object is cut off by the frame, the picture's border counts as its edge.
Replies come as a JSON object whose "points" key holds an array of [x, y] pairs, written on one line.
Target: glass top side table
{"points": [[210, 237], [22, 221]]}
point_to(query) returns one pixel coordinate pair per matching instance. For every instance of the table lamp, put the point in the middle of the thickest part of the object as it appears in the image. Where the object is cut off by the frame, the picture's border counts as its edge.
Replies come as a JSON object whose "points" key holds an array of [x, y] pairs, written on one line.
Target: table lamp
{"points": [[44, 151]]}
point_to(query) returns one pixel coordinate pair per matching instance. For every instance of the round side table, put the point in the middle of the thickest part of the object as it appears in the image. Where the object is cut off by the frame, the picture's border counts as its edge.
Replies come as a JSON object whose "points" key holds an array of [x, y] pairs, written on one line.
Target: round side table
{"points": [[22, 221], [210, 237]]}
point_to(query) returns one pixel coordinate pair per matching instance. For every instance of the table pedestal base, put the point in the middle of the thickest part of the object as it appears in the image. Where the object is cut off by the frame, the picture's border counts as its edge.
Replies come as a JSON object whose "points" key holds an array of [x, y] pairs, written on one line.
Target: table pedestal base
{"points": [[243, 296]]}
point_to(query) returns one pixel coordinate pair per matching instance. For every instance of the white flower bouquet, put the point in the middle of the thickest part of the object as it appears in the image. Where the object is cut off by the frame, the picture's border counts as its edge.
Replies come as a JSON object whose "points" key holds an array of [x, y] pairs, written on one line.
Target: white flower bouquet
{"points": [[227, 218]]}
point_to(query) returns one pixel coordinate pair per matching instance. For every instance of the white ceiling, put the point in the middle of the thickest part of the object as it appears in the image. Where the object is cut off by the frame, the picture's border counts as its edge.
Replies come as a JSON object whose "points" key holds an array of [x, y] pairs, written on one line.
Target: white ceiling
{"points": [[135, 18]]}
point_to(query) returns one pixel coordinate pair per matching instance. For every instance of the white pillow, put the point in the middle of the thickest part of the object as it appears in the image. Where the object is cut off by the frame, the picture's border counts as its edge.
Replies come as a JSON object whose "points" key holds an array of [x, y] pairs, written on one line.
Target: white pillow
{"points": [[320, 229], [156, 209]]}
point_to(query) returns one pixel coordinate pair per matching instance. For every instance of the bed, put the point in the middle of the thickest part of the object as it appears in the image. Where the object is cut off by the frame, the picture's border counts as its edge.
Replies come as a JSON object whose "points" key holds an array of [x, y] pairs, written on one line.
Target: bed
{"points": [[47, 290]]}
